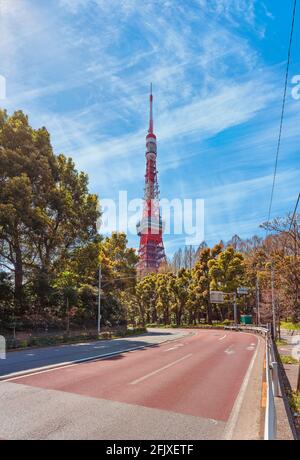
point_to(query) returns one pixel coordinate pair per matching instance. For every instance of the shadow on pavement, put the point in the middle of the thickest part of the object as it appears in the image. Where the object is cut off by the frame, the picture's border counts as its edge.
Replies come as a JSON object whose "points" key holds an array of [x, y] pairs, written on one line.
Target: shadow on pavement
{"points": [[23, 360], [153, 333]]}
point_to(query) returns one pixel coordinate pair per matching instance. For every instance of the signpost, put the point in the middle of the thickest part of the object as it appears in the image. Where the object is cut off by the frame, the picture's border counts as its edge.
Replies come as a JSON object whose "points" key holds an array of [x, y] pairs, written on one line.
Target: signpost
{"points": [[216, 296], [2, 347], [235, 309], [242, 290]]}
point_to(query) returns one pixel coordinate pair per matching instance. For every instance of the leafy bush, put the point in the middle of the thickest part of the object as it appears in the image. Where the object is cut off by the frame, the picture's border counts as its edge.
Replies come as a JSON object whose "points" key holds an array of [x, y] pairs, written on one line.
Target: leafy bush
{"points": [[289, 325], [105, 335], [138, 330], [285, 359], [227, 322]]}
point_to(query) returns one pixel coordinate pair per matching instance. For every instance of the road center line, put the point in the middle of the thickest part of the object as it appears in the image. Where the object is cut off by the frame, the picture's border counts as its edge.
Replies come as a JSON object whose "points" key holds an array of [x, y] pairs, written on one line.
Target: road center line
{"points": [[160, 369], [175, 348]]}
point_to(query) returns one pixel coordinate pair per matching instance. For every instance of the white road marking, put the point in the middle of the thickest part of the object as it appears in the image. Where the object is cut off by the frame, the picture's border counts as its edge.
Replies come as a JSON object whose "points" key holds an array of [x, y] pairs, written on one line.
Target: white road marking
{"points": [[251, 348], [65, 365], [223, 337], [175, 348], [56, 367], [229, 350], [159, 370]]}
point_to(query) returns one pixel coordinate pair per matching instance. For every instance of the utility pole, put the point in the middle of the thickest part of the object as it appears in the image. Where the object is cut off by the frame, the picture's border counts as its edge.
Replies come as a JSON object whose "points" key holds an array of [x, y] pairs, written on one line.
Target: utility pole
{"points": [[257, 301], [235, 309], [99, 300], [273, 303]]}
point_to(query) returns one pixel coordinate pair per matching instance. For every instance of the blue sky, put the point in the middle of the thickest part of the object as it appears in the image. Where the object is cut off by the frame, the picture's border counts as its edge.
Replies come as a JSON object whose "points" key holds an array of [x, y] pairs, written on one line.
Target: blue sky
{"points": [[82, 68]]}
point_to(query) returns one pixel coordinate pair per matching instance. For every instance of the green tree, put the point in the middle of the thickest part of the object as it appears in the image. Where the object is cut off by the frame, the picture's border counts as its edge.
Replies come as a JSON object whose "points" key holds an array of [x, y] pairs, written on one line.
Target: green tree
{"points": [[199, 288], [6, 298], [163, 299], [66, 284], [179, 290], [147, 298], [45, 208], [226, 271]]}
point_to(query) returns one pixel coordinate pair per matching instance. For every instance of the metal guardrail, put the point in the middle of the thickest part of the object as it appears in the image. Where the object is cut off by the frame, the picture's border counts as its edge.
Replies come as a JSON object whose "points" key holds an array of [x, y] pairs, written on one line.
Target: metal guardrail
{"points": [[272, 380], [272, 390], [263, 330]]}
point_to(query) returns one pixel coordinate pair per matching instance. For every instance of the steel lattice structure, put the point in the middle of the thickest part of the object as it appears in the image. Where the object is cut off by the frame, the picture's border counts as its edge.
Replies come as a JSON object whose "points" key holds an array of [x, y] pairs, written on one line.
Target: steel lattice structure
{"points": [[150, 228]]}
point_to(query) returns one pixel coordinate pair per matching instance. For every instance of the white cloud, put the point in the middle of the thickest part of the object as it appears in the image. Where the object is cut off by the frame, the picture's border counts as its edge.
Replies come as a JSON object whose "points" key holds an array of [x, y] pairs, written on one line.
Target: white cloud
{"points": [[233, 105], [83, 70]]}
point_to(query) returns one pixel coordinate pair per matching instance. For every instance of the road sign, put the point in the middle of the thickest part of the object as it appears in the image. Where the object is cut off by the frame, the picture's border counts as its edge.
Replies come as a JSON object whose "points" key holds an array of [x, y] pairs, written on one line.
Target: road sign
{"points": [[217, 297], [2, 347], [242, 290]]}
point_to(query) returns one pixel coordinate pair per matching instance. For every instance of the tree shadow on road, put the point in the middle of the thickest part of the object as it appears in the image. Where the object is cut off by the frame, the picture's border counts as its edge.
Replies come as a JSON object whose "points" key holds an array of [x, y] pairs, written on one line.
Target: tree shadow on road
{"points": [[30, 360]]}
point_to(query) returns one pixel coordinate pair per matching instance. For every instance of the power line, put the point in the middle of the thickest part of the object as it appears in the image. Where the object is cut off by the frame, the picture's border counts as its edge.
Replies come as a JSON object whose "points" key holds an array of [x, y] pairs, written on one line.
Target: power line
{"points": [[294, 214], [282, 110]]}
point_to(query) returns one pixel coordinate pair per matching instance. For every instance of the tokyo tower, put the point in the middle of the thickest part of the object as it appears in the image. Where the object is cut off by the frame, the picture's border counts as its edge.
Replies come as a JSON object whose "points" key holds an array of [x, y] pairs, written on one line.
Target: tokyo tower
{"points": [[150, 228]]}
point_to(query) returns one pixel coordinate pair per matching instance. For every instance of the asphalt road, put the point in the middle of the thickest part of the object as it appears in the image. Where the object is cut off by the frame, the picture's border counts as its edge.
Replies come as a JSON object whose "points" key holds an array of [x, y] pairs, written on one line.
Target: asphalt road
{"points": [[18, 361], [186, 389]]}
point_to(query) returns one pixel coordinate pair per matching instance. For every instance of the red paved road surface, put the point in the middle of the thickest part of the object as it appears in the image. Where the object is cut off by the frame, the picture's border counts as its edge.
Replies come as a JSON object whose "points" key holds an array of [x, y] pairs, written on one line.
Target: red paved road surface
{"points": [[198, 375]]}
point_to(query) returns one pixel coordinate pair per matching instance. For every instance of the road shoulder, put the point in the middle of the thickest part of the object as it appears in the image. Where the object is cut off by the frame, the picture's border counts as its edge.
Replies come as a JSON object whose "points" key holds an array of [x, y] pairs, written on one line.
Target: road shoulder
{"points": [[246, 420]]}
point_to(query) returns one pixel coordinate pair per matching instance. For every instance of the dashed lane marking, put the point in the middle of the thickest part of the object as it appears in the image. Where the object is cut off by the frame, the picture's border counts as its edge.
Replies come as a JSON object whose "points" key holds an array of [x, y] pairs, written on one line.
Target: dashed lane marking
{"points": [[176, 347], [141, 379]]}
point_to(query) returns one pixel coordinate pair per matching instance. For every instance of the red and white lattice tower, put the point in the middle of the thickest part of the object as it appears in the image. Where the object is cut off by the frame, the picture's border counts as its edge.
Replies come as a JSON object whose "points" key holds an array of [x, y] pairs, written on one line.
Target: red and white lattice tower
{"points": [[150, 228]]}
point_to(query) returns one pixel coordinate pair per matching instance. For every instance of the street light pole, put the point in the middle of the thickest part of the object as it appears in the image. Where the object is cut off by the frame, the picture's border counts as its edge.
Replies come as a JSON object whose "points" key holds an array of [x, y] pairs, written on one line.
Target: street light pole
{"points": [[235, 309], [257, 301], [273, 303], [99, 299]]}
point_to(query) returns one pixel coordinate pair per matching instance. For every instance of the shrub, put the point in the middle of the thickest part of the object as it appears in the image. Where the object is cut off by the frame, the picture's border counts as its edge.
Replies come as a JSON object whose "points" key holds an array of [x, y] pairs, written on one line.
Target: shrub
{"points": [[285, 359], [226, 322], [105, 335]]}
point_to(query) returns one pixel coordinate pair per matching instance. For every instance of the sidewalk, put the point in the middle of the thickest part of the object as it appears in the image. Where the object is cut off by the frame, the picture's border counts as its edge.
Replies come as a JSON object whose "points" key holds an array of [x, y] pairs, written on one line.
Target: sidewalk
{"points": [[289, 373]]}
